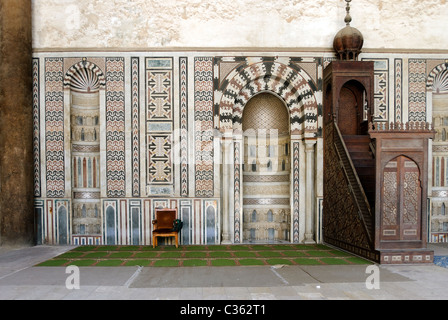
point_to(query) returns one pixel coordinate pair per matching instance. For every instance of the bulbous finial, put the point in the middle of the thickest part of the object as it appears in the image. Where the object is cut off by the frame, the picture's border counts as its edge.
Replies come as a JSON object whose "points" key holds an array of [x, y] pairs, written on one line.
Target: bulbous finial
{"points": [[348, 18], [348, 41]]}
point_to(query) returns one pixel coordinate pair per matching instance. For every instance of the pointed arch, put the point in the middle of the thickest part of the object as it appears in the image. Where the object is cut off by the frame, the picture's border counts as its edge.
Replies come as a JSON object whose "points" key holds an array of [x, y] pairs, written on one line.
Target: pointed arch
{"points": [[406, 157], [402, 199], [293, 85]]}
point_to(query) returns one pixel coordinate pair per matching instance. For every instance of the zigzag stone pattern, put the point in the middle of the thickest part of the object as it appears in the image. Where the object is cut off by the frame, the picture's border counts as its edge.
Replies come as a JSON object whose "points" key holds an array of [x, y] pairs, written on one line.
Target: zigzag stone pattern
{"points": [[284, 78]]}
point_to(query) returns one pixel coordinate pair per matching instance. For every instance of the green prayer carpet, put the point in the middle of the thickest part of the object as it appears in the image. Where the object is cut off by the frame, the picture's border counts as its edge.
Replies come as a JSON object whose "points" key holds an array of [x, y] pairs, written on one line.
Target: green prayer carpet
{"points": [[202, 256]]}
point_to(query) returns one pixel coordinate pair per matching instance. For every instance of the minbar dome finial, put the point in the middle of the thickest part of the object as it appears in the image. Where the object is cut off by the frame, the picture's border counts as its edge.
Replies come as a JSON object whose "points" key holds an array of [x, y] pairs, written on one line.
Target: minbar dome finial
{"points": [[348, 42]]}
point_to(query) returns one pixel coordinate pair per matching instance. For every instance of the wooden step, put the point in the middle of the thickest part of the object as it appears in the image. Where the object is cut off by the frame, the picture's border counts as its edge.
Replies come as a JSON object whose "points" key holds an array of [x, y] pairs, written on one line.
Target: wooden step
{"points": [[357, 144], [363, 162], [361, 155], [364, 171], [356, 138], [354, 147]]}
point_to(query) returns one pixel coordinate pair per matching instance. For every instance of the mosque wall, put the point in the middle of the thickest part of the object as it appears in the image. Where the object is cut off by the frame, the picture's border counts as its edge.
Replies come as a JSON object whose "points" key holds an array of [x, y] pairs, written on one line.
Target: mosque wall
{"points": [[138, 105], [160, 119]]}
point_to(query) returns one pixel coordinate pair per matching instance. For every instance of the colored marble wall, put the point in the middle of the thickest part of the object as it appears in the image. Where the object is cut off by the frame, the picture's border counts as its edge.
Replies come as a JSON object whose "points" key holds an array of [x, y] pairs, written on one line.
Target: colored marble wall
{"points": [[170, 135]]}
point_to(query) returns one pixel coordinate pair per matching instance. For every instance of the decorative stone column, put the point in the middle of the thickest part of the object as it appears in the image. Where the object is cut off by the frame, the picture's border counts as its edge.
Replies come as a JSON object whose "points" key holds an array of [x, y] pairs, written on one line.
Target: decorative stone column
{"points": [[16, 124], [226, 185], [309, 202]]}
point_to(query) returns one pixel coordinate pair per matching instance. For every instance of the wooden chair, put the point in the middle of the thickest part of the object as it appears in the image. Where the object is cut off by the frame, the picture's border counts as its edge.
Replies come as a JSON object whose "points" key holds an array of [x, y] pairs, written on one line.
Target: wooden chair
{"points": [[163, 225]]}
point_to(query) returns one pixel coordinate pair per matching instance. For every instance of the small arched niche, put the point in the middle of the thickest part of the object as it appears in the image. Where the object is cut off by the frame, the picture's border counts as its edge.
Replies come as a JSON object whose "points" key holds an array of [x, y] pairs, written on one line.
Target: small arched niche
{"points": [[266, 132], [84, 84], [352, 112]]}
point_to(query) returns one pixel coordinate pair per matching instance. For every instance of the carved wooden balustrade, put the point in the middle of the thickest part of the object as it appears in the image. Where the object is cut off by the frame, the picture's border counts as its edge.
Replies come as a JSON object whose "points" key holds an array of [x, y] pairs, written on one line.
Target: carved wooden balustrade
{"points": [[394, 127]]}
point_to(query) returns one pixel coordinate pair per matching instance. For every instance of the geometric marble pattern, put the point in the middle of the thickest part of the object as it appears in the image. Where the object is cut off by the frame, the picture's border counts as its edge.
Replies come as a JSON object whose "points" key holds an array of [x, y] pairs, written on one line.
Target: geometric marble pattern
{"points": [[135, 91], [159, 158], [159, 117], [115, 127], [183, 101], [159, 94], [54, 127], [381, 88], [295, 213], [203, 116], [380, 94], [417, 90], [237, 192], [36, 128], [398, 90]]}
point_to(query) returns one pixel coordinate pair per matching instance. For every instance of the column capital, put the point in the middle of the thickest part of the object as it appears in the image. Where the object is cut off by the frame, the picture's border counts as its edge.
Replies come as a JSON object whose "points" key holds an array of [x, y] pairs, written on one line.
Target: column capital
{"points": [[309, 145], [226, 134]]}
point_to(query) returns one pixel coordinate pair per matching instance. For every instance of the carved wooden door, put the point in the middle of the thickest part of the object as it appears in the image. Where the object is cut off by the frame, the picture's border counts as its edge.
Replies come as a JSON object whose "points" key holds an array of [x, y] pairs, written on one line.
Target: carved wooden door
{"points": [[348, 114], [401, 205]]}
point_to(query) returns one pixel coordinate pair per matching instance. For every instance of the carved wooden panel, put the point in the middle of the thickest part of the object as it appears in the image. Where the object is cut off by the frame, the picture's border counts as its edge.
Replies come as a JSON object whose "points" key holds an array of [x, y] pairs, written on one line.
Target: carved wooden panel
{"points": [[401, 200], [390, 224], [411, 201]]}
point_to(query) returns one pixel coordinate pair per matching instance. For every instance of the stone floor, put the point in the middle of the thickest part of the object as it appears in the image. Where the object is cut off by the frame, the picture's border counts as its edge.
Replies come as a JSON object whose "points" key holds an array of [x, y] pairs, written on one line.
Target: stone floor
{"points": [[19, 279]]}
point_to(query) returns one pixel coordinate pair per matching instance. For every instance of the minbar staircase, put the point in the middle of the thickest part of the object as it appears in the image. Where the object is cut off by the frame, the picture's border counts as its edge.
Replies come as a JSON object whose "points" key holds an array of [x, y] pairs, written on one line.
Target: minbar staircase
{"points": [[361, 153], [359, 166], [349, 192]]}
